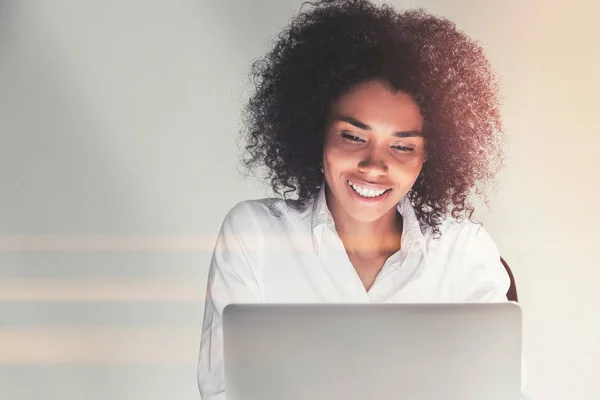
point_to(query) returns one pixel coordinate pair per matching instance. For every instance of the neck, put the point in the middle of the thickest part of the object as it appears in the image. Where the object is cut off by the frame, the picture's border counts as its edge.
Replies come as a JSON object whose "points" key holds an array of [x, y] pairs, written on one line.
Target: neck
{"points": [[368, 240]]}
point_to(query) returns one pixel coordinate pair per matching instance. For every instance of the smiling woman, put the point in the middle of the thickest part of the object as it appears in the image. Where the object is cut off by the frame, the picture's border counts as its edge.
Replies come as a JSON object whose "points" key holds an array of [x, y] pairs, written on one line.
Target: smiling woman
{"points": [[383, 124]]}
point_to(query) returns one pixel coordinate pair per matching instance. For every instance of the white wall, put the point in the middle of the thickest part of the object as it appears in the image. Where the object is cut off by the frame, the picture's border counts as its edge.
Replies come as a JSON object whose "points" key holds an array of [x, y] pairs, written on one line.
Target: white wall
{"points": [[118, 122]]}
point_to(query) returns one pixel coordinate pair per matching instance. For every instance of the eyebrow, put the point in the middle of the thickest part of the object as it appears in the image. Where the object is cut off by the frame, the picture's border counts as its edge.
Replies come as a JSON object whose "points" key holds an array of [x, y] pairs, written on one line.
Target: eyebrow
{"points": [[363, 126]]}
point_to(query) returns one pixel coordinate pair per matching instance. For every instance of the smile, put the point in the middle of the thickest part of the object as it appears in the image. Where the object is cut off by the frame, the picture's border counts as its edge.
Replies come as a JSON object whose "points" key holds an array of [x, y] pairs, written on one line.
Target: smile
{"points": [[366, 192]]}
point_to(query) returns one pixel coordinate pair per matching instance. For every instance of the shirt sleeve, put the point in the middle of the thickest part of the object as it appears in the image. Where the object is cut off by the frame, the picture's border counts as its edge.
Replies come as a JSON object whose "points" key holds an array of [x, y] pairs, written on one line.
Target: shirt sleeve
{"points": [[486, 280], [233, 278], [484, 276]]}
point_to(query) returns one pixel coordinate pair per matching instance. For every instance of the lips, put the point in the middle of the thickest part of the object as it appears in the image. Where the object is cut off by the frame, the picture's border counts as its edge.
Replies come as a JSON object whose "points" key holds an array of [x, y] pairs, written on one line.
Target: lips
{"points": [[368, 190], [368, 194]]}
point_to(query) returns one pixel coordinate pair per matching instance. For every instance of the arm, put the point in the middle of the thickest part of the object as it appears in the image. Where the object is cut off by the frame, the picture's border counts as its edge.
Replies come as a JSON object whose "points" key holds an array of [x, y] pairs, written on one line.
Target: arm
{"points": [[233, 278], [484, 277], [486, 280]]}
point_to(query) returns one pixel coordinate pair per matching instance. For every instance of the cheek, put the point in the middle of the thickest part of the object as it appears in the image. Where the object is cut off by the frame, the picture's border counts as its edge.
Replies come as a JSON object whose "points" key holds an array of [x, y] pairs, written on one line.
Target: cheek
{"points": [[407, 170], [336, 160]]}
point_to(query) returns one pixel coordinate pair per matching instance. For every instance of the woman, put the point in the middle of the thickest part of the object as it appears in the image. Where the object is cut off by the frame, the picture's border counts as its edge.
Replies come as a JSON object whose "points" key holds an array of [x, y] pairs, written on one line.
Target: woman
{"points": [[383, 124]]}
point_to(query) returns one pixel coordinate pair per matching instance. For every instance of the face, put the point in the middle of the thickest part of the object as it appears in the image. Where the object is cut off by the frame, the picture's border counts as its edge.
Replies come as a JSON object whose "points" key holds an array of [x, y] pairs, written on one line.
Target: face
{"points": [[373, 153]]}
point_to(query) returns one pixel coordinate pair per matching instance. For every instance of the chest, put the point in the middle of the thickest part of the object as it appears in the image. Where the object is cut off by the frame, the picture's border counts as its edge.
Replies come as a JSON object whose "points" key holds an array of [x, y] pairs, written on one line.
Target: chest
{"points": [[368, 270], [301, 275]]}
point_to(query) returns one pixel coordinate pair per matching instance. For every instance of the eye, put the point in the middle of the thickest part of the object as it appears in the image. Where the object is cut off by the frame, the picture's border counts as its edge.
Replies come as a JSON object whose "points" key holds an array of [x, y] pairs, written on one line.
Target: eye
{"points": [[406, 149], [351, 137]]}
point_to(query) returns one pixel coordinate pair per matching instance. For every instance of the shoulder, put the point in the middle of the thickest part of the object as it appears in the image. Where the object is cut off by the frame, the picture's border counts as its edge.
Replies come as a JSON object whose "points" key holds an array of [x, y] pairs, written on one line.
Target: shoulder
{"points": [[466, 234], [472, 249], [265, 214]]}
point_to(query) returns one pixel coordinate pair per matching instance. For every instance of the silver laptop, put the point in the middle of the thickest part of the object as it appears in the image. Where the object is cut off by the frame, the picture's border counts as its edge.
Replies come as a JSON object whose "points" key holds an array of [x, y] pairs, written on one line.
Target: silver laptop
{"points": [[372, 352]]}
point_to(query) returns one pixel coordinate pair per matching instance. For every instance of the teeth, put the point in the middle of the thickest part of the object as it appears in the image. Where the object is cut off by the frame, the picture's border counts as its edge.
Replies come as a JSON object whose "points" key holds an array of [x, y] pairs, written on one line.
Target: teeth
{"points": [[366, 192]]}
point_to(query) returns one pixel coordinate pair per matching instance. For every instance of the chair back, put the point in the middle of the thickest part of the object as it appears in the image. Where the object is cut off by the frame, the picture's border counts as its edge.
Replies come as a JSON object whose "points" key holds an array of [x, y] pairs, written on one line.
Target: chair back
{"points": [[511, 295]]}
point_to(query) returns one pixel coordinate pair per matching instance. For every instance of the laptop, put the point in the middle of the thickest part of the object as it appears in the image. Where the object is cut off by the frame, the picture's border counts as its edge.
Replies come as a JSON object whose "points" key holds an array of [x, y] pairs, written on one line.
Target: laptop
{"points": [[465, 351]]}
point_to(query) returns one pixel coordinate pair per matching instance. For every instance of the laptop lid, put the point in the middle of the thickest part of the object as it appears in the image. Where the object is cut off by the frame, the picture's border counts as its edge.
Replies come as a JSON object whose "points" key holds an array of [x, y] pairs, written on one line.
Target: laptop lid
{"points": [[463, 351]]}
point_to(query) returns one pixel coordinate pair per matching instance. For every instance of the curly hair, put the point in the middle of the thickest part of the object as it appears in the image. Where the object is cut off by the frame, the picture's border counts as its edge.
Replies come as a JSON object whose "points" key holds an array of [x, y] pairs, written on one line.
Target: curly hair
{"points": [[335, 44]]}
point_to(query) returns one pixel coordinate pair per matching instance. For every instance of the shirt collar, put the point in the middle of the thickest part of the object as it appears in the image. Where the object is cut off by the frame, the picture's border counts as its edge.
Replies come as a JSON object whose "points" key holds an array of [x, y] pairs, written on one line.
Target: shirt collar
{"points": [[412, 235]]}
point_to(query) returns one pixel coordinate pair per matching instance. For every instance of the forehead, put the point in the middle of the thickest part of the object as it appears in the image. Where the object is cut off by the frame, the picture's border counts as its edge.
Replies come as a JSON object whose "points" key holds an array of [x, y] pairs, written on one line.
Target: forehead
{"points": [[375, 104]]}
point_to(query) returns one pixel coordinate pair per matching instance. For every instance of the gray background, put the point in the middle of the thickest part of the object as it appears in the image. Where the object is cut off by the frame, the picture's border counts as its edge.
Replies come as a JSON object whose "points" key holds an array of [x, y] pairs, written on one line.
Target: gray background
{"points": [[118, 156]]}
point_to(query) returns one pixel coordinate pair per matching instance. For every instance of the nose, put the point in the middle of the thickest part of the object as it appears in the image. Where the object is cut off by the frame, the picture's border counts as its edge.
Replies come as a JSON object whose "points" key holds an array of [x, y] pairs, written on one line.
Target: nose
{"points": [[373, 165]]}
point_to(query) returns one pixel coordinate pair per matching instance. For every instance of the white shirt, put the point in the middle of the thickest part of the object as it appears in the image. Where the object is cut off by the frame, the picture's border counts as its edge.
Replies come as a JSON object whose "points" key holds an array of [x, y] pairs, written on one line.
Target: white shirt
{"points": [[273, 251]]}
